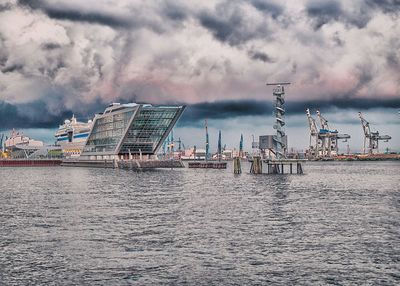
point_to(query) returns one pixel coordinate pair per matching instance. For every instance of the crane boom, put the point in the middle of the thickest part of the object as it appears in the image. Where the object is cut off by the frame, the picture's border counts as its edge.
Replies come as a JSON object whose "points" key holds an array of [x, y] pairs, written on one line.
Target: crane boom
{"points": [[311, 123], [323, 121]]}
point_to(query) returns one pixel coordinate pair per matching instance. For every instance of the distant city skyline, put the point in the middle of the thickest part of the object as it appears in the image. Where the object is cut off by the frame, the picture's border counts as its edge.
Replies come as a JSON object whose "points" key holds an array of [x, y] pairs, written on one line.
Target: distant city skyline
{"points": [[59, 58]]}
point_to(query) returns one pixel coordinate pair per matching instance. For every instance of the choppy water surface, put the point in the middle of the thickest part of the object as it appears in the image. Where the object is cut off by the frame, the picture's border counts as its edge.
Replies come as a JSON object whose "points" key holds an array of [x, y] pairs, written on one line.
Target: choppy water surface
{"points": [[338, 224]]}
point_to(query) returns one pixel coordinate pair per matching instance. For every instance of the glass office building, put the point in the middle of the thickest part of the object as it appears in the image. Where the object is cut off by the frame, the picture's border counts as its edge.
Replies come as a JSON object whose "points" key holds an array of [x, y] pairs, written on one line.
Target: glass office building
{"points": [[129, 129]]}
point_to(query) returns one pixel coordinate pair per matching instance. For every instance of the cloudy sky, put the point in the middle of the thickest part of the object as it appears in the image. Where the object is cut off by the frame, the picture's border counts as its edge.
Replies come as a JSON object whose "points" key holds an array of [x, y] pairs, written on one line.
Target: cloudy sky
{"points": [[59, 57]]}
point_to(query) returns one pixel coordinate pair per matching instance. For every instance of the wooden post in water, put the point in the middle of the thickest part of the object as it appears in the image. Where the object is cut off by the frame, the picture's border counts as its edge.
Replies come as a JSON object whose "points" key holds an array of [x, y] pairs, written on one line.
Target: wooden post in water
{"points": [[299, 169], [256, 165], [237, 168]]}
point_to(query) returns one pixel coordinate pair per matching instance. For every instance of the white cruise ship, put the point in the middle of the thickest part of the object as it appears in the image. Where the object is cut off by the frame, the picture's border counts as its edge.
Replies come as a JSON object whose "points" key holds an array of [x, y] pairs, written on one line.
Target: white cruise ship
{"points": [[71, 136], [19, 140]]}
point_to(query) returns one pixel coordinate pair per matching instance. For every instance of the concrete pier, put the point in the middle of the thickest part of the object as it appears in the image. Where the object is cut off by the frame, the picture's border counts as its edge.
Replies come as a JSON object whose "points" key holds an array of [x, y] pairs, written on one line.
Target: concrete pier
{"points": [[125, 164], [150, 164], [207, 165]]}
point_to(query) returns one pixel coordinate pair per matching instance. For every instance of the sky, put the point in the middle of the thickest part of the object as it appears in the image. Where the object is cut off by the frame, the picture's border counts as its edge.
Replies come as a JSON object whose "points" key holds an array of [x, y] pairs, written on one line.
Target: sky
{"points": [[61, 57]]}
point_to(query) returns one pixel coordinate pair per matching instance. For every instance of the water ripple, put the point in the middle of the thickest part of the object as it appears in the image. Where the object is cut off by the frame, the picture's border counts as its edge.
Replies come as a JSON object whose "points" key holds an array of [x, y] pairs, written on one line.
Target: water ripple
{"points": [[339, 224]]}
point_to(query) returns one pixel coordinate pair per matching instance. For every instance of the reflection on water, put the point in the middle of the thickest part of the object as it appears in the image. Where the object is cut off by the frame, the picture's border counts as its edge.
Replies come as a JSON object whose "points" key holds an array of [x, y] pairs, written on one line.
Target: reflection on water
{"points": [[337, 224]]}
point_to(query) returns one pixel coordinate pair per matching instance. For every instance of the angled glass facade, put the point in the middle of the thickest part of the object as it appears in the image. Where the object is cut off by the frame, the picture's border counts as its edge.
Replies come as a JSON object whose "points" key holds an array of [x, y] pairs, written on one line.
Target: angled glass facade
{"points": [[107, 132], [131, 129], [150, 125]]}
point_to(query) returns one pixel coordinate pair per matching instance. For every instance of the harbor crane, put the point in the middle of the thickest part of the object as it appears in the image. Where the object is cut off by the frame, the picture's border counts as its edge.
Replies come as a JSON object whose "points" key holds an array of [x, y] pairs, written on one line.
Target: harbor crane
{"points": [[207, 142], [323, 141], [373, 138], [314, 138], [330, 137], [1, 146]]}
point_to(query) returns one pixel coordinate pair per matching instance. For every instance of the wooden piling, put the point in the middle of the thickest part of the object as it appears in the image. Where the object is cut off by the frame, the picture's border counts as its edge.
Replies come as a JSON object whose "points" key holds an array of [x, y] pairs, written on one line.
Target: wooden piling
{"points": [[256, 165], [299, 168], [237, 168]]}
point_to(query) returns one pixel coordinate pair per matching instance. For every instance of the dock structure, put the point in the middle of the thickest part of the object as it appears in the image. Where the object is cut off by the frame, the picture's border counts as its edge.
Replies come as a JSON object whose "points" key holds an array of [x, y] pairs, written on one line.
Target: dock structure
{"points": [[207, 165], [277, 166], [150, 164], [125, 164]]}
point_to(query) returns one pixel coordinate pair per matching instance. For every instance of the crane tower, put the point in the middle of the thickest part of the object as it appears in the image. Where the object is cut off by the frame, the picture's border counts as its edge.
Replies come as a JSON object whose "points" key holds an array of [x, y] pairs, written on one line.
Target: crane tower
{"points": [[314, 138], [373, 138], [323, 141]]}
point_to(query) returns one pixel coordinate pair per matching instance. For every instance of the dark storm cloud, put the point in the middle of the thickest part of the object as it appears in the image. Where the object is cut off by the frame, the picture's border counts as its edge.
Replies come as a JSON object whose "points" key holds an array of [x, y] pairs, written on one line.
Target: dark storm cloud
{"points": [[33, 4], [387, 6], [30, 115], [5, 7], [342, 103], [12, 68], [3, 52], [39, 114], [393, 60], [225, 109], [323, 12], [268, 7], [230, 109], [133, 18], [222, 29], [260, 56], [174, 11], [50, 46], [89, 17], [228, 24], [78, 15], [337, 39]]}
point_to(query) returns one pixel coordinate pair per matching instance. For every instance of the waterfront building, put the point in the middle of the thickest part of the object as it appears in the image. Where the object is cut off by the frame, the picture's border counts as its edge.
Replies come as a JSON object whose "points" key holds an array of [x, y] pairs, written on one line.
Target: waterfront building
{"points": [[126, 131]]}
